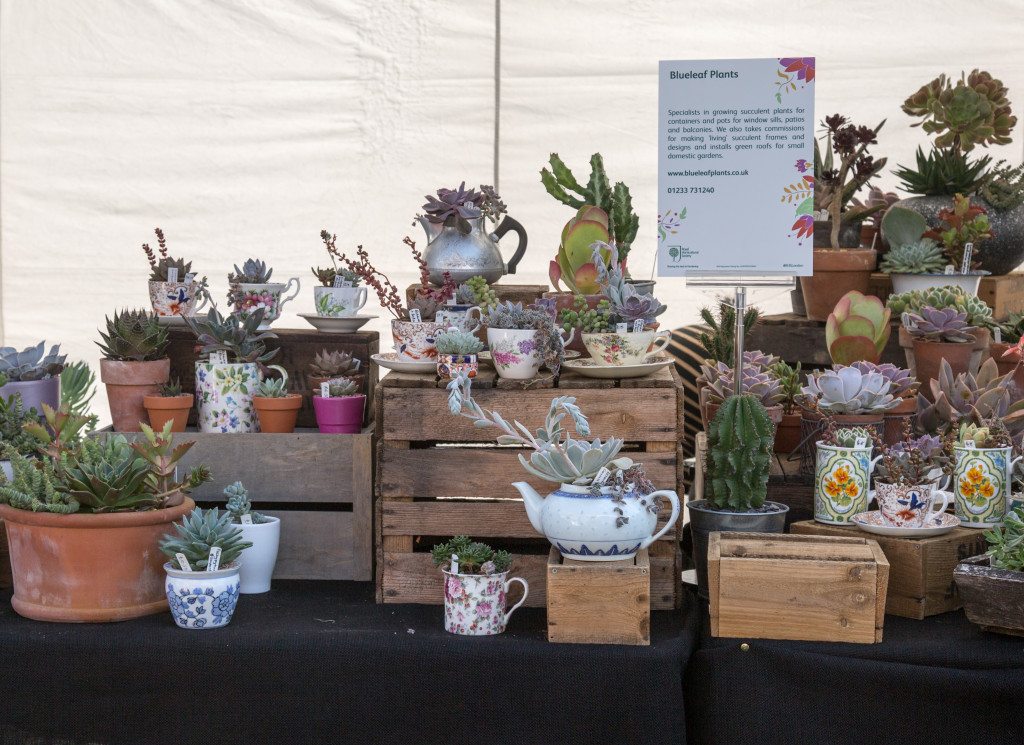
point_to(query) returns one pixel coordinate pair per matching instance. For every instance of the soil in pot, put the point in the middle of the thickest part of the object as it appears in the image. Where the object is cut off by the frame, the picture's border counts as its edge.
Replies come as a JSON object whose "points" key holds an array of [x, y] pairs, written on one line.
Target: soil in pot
{"points": [[343, 415], [836, 272], [928, 356], [277, 415], [128, 384], [162, 409]]}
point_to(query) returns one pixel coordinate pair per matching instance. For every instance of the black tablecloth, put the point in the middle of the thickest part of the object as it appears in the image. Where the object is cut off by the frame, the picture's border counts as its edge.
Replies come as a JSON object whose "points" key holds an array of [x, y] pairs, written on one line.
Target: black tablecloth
{"points": [[318, 662], [940, 680]]}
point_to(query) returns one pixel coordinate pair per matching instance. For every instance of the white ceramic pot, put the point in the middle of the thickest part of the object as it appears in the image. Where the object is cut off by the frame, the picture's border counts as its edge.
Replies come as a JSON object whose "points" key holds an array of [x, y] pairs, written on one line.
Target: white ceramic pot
{"points": [[585, 526], [339, 302], [463, 317], [907, 282], [224, 396], [247, 298], [515, 352], [257, 561], [474, 604], [628, 348], [202, 600]]}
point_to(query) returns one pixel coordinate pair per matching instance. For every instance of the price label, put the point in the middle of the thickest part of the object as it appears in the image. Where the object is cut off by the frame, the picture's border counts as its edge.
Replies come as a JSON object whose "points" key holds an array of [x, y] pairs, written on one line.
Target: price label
{"points": [[602, 476], [325, 390], [183, 562], [347, 283], [339, 280], [219, 358], [638, 325], [189, 277], [620, 328], [415, 316], [860, 442], [246, 519], [455, 564], [950, 269], [213, 563], [969, 444], [172, 274]]}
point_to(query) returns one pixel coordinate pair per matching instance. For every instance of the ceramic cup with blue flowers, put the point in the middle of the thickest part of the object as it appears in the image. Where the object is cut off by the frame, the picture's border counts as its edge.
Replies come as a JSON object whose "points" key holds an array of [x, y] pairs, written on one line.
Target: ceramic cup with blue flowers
{"points": [[842, 482], [202, 600], [909, 505]]}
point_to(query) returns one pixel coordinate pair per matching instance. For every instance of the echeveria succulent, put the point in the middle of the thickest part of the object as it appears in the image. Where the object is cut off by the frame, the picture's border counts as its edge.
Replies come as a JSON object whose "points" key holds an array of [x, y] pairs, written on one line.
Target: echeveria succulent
{"points": [[846, 390], [756, 381], [940, 325], [900, 380]]}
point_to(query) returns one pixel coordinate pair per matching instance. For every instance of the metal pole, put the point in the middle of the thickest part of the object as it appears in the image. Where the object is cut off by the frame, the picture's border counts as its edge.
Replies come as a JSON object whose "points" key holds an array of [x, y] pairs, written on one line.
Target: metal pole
{"points": [[741, 309]]}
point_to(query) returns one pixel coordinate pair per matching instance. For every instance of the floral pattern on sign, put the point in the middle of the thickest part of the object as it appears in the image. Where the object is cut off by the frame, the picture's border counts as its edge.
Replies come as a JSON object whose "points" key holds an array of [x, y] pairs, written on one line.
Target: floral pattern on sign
{"points": [[979, 485], [474, 604], [197, 607], [793, 70], [800, 193], [669, 224]]}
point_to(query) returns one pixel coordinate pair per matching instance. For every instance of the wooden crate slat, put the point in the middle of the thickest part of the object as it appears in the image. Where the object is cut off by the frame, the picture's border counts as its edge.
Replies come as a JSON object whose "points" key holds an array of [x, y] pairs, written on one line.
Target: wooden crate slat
{"points": [[314, 545]]}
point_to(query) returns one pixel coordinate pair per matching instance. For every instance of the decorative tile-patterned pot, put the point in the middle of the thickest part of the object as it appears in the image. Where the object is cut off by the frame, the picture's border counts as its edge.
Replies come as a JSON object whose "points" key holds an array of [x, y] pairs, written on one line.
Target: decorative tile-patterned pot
{"points": [[175, 298], [224, 396], [450, 365], [414, 340], [474, 604], [908, 506], [202, 600], [981, 485], [247, 298], [841, 483]]}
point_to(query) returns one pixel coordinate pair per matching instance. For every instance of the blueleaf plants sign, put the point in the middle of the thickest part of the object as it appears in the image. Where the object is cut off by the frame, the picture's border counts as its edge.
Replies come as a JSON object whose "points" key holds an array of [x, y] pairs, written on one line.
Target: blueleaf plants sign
{"points": [[736, 167]]}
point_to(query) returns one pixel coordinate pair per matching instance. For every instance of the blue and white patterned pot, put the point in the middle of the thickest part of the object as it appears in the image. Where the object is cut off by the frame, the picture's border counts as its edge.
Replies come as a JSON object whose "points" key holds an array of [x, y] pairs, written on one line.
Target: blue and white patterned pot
{"points": [[202, 600]]}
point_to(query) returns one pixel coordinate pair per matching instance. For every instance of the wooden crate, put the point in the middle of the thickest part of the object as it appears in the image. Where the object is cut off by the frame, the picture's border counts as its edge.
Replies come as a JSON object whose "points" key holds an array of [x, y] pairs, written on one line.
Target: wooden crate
{"points": [[298, 346], [524, 294], [438, 475], [920, 569], [599, 602], [812, 588], [1004, 293], [321, 486], [798, 339]]}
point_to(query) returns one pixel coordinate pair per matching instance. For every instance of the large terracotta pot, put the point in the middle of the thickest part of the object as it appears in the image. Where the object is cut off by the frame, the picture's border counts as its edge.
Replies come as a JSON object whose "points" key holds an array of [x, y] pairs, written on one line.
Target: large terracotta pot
{"points": [[88, 568], [928, 356], [835, 274], [163, 409], [1006, 365], [128, 384], [895, 419], [787, 434], [278, 414]]}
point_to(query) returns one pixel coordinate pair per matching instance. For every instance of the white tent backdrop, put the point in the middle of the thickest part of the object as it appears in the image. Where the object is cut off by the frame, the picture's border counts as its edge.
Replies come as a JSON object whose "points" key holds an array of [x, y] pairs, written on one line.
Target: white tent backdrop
{"points": [[243, 127]]}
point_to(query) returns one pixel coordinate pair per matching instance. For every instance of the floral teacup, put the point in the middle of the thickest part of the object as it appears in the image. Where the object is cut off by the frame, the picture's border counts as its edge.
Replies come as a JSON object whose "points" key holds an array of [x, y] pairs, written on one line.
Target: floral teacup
{"points": [[904, 506], [474, 604], [628, 348], [414, 340], [338, 302], [176, 298], [247, 298], [460, 316], [981, 483], [841, 482], [515, 352]]}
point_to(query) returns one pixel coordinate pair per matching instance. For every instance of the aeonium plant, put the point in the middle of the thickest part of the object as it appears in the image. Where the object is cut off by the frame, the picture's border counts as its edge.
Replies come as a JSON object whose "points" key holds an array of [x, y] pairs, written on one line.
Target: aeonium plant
{"points": [[454, 208]]}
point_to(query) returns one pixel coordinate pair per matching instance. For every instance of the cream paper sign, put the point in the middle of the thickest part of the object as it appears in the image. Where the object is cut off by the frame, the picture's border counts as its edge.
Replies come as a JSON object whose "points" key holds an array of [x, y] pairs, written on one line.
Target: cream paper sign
{"points": [[736, 167]]}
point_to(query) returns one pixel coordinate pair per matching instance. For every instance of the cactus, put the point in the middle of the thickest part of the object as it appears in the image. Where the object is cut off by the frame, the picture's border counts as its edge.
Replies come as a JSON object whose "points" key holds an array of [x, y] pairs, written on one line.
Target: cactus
{"points": [[621, 221], [921, 257], [134, 336], [198, 532], [473, 557], [239, 504], [107, 476], [36, 488], [454, 341], [739, 455], [31, 363], [718, 341]]}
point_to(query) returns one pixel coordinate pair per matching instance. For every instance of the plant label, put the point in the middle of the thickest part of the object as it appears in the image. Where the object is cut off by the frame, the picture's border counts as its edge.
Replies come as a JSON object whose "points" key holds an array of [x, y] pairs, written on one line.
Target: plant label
{"points": [[602, 476], [213, 563], [860, 442], [638, 325], [415, 316], [183, 562], [950, 269], [189, 277], [965, 265], [997, 334], [246, 519], [620, 328], [339, 280], [172, 274], [347, 283], [219, 357], [455, 564], [969, 444], [325, 390]]}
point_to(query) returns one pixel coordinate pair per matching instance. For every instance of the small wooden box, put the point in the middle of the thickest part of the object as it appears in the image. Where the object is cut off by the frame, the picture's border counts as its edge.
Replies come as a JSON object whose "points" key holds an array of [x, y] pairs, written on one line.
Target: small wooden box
{"points": [[768, 586], [599, 602], [920, 569]]}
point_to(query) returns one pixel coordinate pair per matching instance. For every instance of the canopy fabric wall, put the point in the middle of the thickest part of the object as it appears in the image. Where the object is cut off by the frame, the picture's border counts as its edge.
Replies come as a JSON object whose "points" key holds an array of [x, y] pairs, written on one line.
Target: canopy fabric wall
{"points": [[243, 127]]}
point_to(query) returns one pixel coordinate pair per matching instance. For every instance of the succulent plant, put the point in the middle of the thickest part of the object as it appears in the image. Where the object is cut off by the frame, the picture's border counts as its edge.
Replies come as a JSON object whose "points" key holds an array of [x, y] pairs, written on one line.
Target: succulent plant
{"points": [[60, 431], [614, 202], [719, 340], [626, 304], [473, 557], [1004, 189], [977, 310], [134, 336], [575, 264], [846, 390], [857, 329], [454, 208], [1012, 329], [740, 441], [965, 223], [476, 291], [159, 451], [586, 319], [272, 388], [945, 325], [757, 381], [973, 112], [331, 364], [963, 396], [253, 272], [901, 382], [988, 433], [36, 487], [913, 460], [328, 275], [77, 388], [902, 226], [922, 257], [342, 387], [239, 504], [508, 315], [846, 437], [1006, 543], [106, 475], [198, 532], [789, 383], [454, 341], [31, 363], [171, 389], [940, 173], [239, 337], [13, 437], [159, 265]]}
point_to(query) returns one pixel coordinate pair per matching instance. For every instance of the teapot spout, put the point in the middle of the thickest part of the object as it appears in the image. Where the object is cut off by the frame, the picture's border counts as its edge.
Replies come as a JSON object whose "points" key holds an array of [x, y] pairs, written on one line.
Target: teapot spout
{"points": [[534, 503], [432, 229]]}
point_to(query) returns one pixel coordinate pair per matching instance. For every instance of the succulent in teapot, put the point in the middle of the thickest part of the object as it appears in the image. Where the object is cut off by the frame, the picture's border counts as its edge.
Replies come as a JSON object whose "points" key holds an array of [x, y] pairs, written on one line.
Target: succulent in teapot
{"points": [[454, 208]]}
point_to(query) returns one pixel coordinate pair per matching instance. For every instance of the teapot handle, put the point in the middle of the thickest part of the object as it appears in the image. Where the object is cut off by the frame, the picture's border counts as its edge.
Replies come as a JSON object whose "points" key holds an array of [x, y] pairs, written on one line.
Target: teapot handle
{"points": [[526, 592], [674, 499], [506, 225]]}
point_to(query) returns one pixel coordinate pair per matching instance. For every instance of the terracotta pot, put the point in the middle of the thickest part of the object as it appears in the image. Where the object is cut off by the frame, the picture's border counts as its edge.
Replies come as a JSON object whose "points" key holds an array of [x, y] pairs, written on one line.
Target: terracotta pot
{"points": [[979, 347], [894, 419], [278, 414], [162, 409], [88, 568], [1007, 365], [128, 384], [343, 415], [929, 354], [835, 274], [787, 434]]}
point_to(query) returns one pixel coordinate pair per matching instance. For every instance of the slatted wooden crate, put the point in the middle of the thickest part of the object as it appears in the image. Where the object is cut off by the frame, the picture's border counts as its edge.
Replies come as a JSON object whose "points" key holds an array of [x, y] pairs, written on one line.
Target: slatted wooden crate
{"points": [[438, 475], [298, 346], [321, 486]]}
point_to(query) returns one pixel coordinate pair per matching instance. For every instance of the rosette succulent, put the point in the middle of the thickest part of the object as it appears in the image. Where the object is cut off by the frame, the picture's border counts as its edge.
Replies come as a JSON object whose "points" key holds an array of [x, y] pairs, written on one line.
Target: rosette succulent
{"points": [[758, 380], [31, 363], [973, 112], [945, 325], [454, 208], [965, 396], [134, 335], [846, 390], [454, 341], [197, 533], [343, 387], [332, 364], [252, 272], [949, 296], [626, 304], [901, 382], [921, 257], [857, 329]]}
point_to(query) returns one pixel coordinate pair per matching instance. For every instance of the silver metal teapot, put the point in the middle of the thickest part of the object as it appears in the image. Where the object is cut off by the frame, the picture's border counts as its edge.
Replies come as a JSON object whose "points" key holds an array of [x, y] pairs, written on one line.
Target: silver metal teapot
{"points": [[468, 255]]}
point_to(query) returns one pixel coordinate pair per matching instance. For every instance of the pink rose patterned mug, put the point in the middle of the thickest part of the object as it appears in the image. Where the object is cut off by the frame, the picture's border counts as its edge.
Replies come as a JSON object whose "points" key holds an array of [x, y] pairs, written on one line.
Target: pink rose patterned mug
{"points": [[474, 604]]}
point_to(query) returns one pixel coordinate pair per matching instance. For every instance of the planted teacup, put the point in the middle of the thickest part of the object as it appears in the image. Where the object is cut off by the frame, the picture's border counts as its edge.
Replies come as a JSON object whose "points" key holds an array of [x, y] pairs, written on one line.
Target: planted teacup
{"points": [[415, 340], [624, 348], [474, 604], [463, 317], [339, 302], [909, 506], [176, 298], [841, 482], [247, 298], [981, 485]]}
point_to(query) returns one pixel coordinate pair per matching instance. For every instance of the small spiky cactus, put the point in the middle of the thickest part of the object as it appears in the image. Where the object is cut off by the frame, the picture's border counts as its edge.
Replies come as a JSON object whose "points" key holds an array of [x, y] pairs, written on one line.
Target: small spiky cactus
{"points": [[36, 488], [239, 504], [739, 455], [198, 532], [134, 336]]}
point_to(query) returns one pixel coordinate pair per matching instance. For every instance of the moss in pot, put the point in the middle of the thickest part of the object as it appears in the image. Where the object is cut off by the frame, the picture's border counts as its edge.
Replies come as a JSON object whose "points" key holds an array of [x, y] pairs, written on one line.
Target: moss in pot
{"points": [[738, 459]]}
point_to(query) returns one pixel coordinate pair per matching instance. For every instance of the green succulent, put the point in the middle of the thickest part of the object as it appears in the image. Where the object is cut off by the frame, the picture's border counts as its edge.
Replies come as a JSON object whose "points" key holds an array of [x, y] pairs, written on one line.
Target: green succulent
{"points": [[454, 341], [253, 272], [474, 557], [162, 455], [718, 339], [239, 504], [1012, 329], [77, 387], [1004, 188], [198, 532], [171, 389], [923, 257], [106, 475], [476, 291], [36, 487], [134, 336], [973, 112], [739, 454], [328, 275], [1006, 544], [273, 388], [949, 296], [940, 173], [13, 437], [342, 387], [331, 364], [588, 320], [240, 338], [789, 382], [846, 437]]}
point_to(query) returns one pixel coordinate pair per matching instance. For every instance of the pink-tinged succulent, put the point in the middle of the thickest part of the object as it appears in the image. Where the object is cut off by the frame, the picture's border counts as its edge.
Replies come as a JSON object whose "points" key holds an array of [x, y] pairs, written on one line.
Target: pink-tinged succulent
{"points": [[857, 329], [574, 264], [902, 382], [939, 324], [757, 381]]}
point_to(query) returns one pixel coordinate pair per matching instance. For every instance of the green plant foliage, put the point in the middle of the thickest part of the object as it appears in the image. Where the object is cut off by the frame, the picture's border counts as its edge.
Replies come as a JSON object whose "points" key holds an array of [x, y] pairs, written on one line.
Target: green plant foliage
{"points": [[239, 504], [134, 336], [588, 320], [949, 296], [106, 475], [454, 341], [476, 291], [719, 340], [474, 557], [922, 257], [272, 388], [241, 339], [973, 112], [1004, 189], [941, 173], [36, 487], [342, 387], [739, 454], [198, 532], [13, 437], [1006, 544]]}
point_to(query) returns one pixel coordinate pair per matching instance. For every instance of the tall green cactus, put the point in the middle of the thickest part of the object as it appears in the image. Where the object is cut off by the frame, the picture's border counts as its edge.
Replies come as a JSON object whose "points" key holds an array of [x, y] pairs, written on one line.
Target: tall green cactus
{"points": [[36, 489], [739, 455], [615, 200]]}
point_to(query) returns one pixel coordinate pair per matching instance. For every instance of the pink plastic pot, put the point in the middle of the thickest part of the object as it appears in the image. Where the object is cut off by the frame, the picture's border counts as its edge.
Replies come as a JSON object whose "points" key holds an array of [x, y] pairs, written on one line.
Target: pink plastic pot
{"points": [[342, 415]]}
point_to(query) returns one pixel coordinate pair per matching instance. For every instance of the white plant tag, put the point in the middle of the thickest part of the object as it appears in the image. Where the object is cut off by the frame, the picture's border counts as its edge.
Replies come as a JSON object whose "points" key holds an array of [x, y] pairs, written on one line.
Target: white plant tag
{"points": [[965, 265], [450, 300], [415, 316], [172, 274], [189, 277], [347, 283], [246, 519], [455, 564], [638, 325], [860, 442], [602, 476], [183, 562], [620, 328], [969, 444], [339, 280], [219, 358], [950, 269], [213, 563], [325, 390], [998, 335]]}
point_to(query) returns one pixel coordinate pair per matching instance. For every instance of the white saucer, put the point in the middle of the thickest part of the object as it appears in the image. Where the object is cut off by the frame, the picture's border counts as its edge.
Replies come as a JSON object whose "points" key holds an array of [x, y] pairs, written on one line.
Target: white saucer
{"points": [[335, 324], [590, 369], [485, 355], [873, 522], [390, 361]]}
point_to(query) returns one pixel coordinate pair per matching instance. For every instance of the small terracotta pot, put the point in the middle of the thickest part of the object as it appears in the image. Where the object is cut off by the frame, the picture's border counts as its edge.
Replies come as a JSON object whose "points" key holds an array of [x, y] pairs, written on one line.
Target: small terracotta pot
{"points": [[836, 272], [928, 356], [278, 415], [787, 434], [1007, 365], [162, 409], [894, 419], [128, 384], [343, 415], [88, 568]]}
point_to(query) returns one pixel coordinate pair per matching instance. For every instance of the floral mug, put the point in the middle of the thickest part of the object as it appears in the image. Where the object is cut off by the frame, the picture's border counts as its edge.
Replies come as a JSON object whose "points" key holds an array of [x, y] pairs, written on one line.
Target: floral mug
{"points": [[414, 340], [981, 485], [224, 396], [515, 352], [339, 302], [474, 604], [461, 317], [247, 298], [841, 482], [176, 298], [906, 506], [626, 348]]}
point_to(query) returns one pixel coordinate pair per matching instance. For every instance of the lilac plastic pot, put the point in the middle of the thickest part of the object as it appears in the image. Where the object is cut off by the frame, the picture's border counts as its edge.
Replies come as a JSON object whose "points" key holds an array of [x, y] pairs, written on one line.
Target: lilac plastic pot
{"points": [[34, 392], [339, 415]]}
